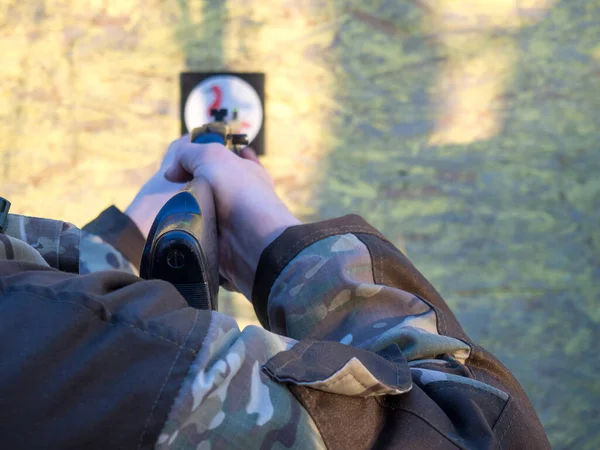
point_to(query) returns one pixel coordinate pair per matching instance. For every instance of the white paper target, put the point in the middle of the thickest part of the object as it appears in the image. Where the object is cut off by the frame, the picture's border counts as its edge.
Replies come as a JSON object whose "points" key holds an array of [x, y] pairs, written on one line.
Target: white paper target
{"points": [[229, 92]]}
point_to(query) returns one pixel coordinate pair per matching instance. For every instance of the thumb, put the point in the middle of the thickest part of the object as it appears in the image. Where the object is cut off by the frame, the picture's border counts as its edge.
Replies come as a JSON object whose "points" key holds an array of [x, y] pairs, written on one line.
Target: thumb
{"points": [[169, 155], [177, 173], [186, 160], [192, 159]]}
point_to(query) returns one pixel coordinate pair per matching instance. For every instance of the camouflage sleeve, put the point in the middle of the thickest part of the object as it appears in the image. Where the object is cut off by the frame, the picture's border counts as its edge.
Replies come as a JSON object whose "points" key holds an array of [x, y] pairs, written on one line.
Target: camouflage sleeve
{"points": [[238, 394], [328, 292], [56, 241], [96, 254], [116, 230], [228, 402], [342, 281], [65, 247], [111, 241], [16, 250]]}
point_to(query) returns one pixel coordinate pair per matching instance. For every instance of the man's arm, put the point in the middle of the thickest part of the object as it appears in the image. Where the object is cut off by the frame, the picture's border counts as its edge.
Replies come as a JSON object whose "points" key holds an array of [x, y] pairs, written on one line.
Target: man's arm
{"points": [[98, 360], [341, 280], [376, 358], [378, 346], [126, 363], [373, 356], [112, 241]]}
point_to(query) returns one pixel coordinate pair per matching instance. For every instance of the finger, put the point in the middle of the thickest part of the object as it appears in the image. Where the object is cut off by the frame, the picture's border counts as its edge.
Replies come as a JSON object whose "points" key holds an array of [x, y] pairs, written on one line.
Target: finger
{"points": [[190, 158], [169, 155], [250, 154], [176, 173]]}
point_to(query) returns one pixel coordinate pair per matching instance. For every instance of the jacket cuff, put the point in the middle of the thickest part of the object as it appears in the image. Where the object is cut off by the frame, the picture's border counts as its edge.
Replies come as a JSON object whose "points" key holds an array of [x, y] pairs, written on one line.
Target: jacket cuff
{"points": [[290, 243], [121, 232]]}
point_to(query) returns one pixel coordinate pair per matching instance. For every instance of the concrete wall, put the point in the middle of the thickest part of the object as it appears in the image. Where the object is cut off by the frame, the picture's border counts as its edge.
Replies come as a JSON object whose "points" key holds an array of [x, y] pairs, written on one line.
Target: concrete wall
{"points": [[466, 131]]}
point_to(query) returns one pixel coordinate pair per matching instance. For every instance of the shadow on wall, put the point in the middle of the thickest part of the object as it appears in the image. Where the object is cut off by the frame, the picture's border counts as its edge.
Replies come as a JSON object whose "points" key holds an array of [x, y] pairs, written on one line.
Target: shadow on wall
{"points": [[201, 34], [465, 133]]}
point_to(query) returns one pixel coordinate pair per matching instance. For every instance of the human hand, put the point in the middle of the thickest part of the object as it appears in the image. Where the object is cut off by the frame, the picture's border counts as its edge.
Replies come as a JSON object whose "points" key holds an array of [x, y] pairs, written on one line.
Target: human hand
{"points": [[249, 213], [154, 194]]}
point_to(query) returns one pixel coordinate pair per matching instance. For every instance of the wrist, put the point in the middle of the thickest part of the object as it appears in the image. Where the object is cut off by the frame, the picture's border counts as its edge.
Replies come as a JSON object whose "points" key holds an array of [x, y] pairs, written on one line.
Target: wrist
{"points": [[139, 215], [245, 251]]}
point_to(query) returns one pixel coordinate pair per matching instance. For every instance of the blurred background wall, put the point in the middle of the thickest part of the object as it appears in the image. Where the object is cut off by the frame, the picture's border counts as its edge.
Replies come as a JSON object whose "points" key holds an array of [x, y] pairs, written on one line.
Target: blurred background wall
{"points": [[467, 131]]}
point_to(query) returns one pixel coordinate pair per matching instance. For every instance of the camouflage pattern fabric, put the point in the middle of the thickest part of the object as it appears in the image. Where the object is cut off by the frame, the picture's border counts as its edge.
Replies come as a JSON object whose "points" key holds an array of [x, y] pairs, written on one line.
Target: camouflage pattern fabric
{"points": [[236, 395], [428, 377], [227, 402], [15, 249], [341, 369], [97, 255], [55, 240], [327, 292], [345, 335], [62, 246]]}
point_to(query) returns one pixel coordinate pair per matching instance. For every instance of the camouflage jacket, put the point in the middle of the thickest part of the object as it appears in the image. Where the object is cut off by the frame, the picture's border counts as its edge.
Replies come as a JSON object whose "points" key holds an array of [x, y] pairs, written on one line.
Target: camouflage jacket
{"points": [[357, 351]]}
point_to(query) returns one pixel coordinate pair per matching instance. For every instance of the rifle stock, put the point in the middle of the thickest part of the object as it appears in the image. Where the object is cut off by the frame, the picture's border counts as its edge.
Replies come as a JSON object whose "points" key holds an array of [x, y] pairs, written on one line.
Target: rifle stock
{"points": [[182, 246]]}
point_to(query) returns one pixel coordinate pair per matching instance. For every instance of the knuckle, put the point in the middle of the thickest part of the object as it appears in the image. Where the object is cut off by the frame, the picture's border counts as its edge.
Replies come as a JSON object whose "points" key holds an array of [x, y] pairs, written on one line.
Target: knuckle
{"points": [[203, 154], [214, 150], [196, 161], [198, 156], [180, 152]]}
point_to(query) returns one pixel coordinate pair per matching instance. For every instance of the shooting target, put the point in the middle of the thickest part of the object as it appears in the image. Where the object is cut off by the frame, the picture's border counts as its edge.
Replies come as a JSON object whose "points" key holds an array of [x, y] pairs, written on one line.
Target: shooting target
{"points": [[245, 92]]}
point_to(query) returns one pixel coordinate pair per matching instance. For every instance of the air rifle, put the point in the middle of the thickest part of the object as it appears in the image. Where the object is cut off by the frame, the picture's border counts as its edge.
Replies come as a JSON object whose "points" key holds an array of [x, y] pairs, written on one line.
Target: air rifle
{"points": [[182, 246]]}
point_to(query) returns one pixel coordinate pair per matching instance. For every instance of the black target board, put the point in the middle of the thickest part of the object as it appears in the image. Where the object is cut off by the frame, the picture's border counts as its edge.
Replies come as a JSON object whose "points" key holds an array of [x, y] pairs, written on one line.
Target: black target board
{"points": [[202, 92]]}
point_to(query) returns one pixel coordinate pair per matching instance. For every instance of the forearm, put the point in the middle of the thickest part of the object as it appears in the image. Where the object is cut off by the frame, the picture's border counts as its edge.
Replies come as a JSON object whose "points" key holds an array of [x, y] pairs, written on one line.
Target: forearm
{"points": [[229, 401], [342, 281], [112, 241], [116, 362], [96, 255], [329, 292], [56, 241]]}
